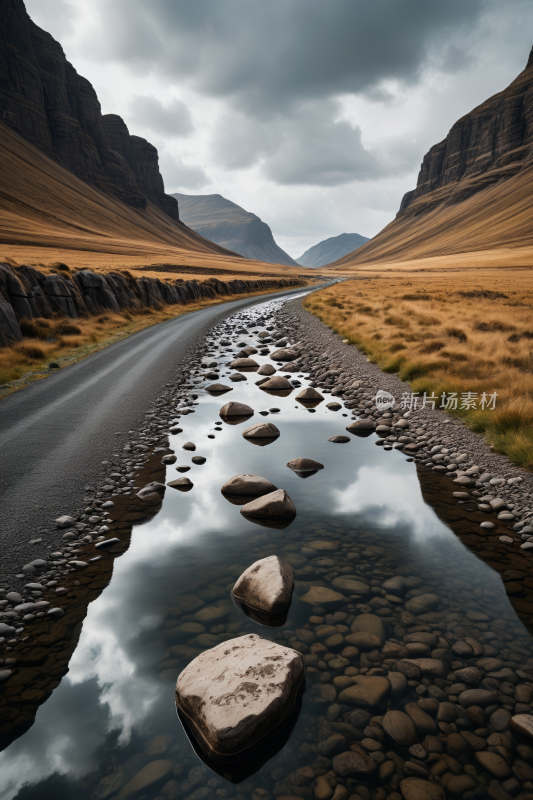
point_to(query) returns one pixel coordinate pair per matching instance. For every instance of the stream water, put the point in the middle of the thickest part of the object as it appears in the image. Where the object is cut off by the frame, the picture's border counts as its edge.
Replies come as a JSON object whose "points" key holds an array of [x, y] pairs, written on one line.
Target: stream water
{"points": [[114, 712]]}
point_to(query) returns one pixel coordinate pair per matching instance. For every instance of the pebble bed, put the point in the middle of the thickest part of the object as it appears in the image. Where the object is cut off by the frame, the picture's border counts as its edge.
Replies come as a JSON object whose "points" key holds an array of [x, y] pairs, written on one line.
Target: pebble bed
{"points": [[413, 677]]}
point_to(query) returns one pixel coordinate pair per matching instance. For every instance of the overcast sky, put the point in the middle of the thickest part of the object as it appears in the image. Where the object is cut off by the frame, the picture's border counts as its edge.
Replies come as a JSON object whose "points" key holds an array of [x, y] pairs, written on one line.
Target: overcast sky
{"points": [[313, 114]]}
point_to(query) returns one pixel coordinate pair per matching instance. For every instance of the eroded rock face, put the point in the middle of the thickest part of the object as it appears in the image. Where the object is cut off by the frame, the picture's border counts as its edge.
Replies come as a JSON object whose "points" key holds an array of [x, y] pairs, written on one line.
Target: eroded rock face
{"points": [[266, 586], [244, 484], [275, 505], [234, 695]]}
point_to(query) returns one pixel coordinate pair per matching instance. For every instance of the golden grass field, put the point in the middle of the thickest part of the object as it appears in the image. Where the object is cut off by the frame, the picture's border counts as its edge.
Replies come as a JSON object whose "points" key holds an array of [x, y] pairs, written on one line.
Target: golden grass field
{"points": [[462, 330]]}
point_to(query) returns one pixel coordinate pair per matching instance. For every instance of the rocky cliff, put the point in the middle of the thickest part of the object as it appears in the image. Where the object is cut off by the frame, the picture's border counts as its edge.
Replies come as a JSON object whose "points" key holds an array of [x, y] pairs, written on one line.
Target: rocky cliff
{"points": [[218, 219], [43, 98], [488, 145]]}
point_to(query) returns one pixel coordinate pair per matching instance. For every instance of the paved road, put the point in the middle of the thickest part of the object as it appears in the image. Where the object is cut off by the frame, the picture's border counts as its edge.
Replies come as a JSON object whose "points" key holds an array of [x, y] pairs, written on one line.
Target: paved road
{"points": [[55, 433]]}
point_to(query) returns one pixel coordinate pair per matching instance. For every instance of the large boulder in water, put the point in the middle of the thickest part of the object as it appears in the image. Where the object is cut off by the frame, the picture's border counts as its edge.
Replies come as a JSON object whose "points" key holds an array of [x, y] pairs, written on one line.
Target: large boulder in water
{"points": [[266, 586], [234, 409], [234, 695], [244, 363], [275, 505], [266, 369], [276, 384], [244, 484], [362, 427], [309, 395], [304, 465], [262, 430]]}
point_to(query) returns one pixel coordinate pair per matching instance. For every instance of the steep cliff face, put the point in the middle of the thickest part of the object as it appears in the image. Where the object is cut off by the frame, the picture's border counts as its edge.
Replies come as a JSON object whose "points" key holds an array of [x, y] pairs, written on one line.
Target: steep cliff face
{"points": [[488, 145], [43, 98], [143, 160]]}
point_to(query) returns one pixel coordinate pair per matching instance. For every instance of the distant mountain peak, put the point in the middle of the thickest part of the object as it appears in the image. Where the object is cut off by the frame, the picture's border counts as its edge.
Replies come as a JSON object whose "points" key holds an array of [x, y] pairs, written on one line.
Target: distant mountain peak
{"points": [[331, 249], [224, 222]]}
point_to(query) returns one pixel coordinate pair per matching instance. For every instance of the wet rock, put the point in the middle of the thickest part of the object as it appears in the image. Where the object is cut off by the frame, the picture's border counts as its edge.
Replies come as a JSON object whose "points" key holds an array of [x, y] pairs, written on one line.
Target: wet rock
{"points": [[361, 427], [333, 406], [6, 630], [355, 762], [370, 694], [183, 468], [267, 585], [522, 726], [363, 641], [170, 459], [274, 505], [198, 460], [284, 355], [266, 369], [244, 363], [237, 376], [369, 623], [309, 394], [304, 465], [395, 586], [235, 693], [422, 604], [210, 614], [218, 388], [234, 409], [477, 697], [189, 446], [400, 728], [150, 774], [424, 724], [493, 764], [322, 596], [248, 485], [276, 384], [420, 789], [14, 597], [153, 492], [350, 584], [339, 439], [182, 484]]}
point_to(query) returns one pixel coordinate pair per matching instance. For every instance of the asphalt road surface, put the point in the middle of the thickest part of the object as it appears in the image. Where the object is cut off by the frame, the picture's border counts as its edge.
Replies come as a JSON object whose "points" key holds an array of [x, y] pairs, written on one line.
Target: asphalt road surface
{"points": [[55, 433]]}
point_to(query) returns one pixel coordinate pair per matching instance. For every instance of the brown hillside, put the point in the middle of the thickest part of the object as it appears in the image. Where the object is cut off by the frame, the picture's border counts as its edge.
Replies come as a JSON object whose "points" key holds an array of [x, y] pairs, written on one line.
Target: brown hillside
{"points": [[47, 214], [474, 197]]}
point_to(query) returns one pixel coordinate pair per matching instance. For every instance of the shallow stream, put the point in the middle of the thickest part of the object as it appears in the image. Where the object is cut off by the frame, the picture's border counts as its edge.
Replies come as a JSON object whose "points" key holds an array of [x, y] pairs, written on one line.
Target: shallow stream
{"points": [[114, 713]]}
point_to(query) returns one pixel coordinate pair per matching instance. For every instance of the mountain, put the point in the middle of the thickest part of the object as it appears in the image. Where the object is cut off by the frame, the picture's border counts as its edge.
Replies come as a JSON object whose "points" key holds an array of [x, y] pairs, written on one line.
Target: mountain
{"points": [[43, 98], [331, 249], [474, 192], [227, 224]]}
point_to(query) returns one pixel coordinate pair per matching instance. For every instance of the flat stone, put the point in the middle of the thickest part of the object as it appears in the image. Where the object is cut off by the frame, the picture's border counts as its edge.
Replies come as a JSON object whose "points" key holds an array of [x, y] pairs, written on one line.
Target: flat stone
{"points": [[237, 376], [420, 789], [276, 384], [218, 388], [198, 460], [304, 465], [212, 613], [333, 406], [262, 430], [322, 545], [244, 363], [65, 521], [274, 505], [339, 439], [350, 585], [267, 585], [422, 603], [234, 409], [477, 697], [395, 586], [14, 597], [181, 484], [369, 693], [322, 596], [400, 728], [152, 493], [425, 724], [246, 485], [363, 641], [309, 394], [150, 774], [361, 426], [236, 693], [6, 630]]}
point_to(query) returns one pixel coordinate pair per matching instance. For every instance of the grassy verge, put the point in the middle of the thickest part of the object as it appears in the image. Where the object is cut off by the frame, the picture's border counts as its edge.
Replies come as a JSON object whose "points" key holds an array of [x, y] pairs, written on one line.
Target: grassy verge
{"points": [[453, 333], [64, 341]]}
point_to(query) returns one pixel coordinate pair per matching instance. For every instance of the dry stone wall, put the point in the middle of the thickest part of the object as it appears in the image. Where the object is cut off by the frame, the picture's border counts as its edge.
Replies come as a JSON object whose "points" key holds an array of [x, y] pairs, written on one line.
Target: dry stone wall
{"points": [[26, 293]]}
